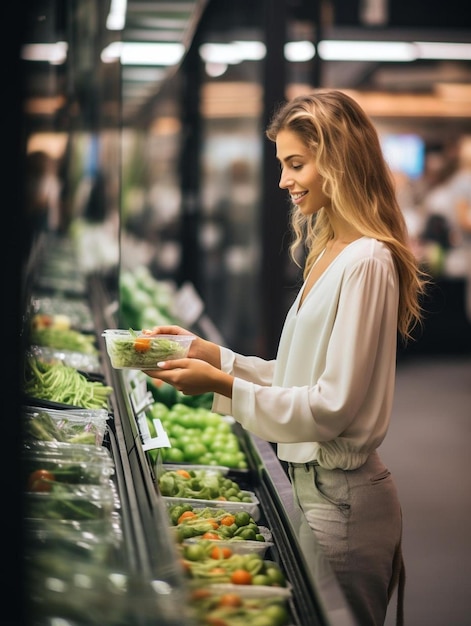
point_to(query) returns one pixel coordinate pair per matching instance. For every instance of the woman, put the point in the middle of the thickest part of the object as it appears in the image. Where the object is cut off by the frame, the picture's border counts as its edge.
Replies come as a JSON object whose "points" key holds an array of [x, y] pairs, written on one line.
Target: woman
{"points": [[326, 399]]}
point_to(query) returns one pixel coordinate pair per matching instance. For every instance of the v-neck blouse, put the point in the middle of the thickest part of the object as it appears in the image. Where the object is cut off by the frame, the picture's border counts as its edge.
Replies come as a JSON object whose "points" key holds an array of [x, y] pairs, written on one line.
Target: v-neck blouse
{"points": [[328, 394], [301, 297]]}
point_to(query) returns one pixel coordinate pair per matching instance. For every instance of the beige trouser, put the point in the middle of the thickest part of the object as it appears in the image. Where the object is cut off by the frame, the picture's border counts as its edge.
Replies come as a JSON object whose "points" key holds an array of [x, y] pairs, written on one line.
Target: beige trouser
{"points": [[357, 520]]}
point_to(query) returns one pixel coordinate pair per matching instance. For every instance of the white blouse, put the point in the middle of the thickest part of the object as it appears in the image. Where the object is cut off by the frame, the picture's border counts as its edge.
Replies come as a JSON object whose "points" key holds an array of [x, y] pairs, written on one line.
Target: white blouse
{"points": [[328, 395]]}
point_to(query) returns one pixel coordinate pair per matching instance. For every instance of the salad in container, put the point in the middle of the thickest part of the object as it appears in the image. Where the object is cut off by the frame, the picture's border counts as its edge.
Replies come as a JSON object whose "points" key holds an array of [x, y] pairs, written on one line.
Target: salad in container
{"points": [[130, 349]]}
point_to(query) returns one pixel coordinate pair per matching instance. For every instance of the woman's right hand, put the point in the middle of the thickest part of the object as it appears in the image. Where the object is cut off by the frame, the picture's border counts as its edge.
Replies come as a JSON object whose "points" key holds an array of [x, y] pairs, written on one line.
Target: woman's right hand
{"points": [[167, 330], [199, 348]]}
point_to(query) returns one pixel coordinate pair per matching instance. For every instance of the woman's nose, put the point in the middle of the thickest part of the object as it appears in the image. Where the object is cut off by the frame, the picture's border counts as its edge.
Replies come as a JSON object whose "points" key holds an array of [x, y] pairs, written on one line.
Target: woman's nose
{"points": [[284, 182]]}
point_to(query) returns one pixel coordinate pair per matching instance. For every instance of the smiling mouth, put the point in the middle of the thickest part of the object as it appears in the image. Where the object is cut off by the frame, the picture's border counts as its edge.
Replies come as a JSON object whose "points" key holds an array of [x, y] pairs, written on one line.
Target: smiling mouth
{"points": [[296, 197]]}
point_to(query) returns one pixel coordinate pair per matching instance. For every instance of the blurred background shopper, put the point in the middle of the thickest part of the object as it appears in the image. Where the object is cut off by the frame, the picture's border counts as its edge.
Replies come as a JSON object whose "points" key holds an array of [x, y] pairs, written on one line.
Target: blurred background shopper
{"points": [[461, 192]]}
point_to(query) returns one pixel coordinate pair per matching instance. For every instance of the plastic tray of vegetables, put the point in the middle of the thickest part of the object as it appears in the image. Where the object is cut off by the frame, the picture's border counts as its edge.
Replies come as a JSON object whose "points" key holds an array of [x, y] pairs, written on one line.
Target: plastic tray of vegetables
{"points": [[44, 424], [214, 523]]}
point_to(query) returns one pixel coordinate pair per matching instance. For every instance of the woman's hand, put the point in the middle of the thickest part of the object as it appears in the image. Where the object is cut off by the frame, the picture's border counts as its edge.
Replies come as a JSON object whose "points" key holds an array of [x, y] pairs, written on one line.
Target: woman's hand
{"points": [[199, 348], [193, 376]]}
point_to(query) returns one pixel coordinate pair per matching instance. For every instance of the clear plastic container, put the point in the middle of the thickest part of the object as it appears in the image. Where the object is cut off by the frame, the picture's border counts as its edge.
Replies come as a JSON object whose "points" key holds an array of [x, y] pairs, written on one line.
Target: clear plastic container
{"points": [[85, 362], [77, 592], [240, 546], [233, 507], [97, 542], [71, 502], [250, 591], [202, 483], [222, 469], [41, 470], [213, 523], [70, 451], [241, 605], [63, 426], [136, 350], [241, 570]]}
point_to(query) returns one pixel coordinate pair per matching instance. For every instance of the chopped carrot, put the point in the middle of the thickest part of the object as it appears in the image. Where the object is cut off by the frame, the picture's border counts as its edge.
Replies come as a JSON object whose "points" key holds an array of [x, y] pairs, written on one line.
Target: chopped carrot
{"points": [[220, 552], [183, 473], [141, 344], [230, 599], [210, 535], [198, 594], [241, 577], [186, 515], [218, 571]]}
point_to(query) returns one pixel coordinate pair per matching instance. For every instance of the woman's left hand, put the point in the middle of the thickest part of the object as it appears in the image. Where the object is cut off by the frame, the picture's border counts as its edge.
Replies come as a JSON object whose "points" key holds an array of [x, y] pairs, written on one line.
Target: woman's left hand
{"points": [[193, 377]]}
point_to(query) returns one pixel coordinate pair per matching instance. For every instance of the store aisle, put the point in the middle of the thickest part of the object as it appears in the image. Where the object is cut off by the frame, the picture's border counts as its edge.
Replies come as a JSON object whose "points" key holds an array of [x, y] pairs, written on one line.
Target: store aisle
{"points": [[429, 451]]}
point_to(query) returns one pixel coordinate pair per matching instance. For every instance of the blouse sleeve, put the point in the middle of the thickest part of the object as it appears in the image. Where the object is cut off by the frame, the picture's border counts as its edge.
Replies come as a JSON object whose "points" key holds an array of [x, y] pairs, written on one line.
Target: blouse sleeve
{"points": [[249, 368], [364, 329]]}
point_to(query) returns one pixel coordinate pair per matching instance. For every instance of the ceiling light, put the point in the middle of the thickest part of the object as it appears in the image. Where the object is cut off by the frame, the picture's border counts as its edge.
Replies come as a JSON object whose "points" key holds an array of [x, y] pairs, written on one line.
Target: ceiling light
{"points": [[331, 50], [232, 53], [143, 74], [117, 16], [401, 51], [54, 53], [215, 69], [299, 51], [131, 53], [250, 50], [443, 50], [152, 53]]}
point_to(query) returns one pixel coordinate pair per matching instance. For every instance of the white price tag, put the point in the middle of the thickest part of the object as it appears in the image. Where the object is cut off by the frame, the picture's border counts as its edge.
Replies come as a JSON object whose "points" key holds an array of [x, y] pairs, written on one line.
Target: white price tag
{"points": [[188, 304], [161, 440], [140, 402]]}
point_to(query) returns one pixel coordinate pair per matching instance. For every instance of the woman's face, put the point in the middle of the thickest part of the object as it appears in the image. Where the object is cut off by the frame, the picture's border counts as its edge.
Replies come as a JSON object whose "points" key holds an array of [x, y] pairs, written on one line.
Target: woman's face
{"points": [[299, 174]]}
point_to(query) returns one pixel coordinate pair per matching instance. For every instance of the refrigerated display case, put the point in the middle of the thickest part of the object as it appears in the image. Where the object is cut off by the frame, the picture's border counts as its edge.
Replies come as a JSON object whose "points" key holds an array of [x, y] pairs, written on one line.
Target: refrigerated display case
{"points": [[149, 557], [316, 596]]}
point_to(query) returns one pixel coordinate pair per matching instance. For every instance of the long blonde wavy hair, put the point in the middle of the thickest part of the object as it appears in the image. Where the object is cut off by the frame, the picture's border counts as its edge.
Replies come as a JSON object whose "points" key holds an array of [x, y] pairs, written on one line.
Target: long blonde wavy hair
{"points": [[359, 183]]}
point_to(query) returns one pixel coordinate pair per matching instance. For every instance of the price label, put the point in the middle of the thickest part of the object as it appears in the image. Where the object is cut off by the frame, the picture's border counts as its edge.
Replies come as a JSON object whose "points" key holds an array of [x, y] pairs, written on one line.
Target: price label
{"points": [[139, 402], [188, 304], [161, 439]]}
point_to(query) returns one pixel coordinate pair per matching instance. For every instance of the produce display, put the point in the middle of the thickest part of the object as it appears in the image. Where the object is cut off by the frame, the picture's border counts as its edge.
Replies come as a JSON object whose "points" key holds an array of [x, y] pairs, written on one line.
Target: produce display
{"points": [[224, 566], [238, 608], [61, 383], [40, 321], [64, 589], [78, 360], [144, 301], [63, 339], [43, 472], [168, 395], [91, 542], [204, 484], [62, 312], [197, 435], [137, 350], [60, 270], [239, 546], [63, 481], [53, 500], [213, 523], [48, 425], [72, 516]]}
